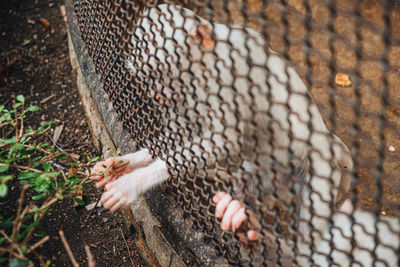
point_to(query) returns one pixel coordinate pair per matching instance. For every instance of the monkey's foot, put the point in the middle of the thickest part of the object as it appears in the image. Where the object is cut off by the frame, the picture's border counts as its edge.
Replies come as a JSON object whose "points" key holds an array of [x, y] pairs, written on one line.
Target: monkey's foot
{"points": [[112, 168], [121, 193]]}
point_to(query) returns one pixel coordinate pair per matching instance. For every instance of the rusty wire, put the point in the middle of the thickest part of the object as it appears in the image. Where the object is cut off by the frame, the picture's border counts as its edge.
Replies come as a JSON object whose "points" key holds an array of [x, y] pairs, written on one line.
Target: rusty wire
{"points": [[164, 102]]}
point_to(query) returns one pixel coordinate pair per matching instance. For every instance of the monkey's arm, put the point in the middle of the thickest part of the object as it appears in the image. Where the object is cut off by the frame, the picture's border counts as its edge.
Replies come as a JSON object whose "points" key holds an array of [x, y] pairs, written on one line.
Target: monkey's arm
{"points": [[121, 193]]}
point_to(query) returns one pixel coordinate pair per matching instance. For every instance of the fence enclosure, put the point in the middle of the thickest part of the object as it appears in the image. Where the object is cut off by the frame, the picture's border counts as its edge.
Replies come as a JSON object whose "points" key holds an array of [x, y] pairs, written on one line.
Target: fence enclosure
{"points": [[291, 132]]}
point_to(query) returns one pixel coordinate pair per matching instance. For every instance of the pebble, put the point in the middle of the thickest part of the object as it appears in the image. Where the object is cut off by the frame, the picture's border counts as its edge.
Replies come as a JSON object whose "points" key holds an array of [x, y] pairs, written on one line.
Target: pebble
{"points": [[391, 148]]}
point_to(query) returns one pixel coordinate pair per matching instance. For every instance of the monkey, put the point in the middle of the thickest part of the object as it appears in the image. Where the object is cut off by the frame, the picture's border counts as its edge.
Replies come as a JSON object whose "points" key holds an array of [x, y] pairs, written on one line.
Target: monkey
{"points": [[240, 100], [337, 241]]}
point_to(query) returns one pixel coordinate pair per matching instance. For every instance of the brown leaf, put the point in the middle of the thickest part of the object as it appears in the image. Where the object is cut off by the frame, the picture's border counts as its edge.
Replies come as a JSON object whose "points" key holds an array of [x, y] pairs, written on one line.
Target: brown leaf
{"points": [[45, 23], [79, 193], [72, 170], [343, 80]]}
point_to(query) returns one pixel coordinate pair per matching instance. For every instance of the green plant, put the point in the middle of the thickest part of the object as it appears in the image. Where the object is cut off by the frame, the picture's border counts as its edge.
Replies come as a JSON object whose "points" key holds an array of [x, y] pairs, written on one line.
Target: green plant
{"points": [[30, 163]]}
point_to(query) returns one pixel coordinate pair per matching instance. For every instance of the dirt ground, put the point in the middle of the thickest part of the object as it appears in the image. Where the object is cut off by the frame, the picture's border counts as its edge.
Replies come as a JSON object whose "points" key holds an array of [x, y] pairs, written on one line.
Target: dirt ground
{"points": [[35, 62]]}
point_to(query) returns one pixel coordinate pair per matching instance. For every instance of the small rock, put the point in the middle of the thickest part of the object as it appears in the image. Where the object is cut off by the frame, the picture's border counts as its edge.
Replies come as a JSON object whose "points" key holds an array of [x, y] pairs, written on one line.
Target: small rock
{"points": [[105, 219], [383, 212], [391, 148]]}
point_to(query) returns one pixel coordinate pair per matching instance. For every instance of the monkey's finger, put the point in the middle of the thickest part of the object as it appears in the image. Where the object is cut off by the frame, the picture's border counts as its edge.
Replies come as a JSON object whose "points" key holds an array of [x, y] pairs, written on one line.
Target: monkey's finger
{"points": [[222, 205], [119, 205], [95, 178], [238, 219], [108, 194], [109, 203], [232, 209], [252, 235], [101, 183], [218, 196]]}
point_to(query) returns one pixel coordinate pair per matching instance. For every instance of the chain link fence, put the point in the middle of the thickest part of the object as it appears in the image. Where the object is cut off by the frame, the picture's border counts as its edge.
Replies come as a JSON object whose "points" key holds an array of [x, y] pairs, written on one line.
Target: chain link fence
{"points": [[289, 106]]}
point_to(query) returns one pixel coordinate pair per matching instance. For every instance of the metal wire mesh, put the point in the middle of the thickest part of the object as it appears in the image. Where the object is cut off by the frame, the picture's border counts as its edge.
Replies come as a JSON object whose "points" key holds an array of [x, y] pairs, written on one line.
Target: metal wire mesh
{"points": [[197, 84]]}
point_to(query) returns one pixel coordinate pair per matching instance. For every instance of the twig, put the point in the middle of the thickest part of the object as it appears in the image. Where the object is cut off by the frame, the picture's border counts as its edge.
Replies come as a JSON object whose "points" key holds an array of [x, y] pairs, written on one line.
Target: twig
{"points": [[10, 251], [21, 131], [5, 236], [18, 217], [67, 247], [38, 244], [16, 120], [41, 214], [22, 167], [91, 262], [91, 212], [18, 223], [127, 246]]}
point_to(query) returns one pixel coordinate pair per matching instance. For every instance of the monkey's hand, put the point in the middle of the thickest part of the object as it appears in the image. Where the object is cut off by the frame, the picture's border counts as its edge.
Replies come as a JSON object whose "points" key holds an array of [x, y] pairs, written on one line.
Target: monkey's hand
{"points": [[234, 216], [121, 193], [112, 168]]}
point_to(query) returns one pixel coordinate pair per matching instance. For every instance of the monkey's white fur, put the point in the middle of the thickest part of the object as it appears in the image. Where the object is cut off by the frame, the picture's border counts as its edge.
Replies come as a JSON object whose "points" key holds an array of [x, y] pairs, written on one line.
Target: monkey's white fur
{"points": [[221, 82]]}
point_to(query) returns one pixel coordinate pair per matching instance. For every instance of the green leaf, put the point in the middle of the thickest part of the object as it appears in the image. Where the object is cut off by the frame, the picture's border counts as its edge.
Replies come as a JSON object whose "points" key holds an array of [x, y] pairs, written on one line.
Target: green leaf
{"points": [[4, 168], [32, 108], [2, 240], [3, 190], [94, 159], [3, 260], [26, 231], [28, 175], [18, 263], [7, 223], [20, 98], [46, 166], [6, 177], [40, 233], [37, 197], [62, 157], [79, 201], [35, 216], [2, 107]]}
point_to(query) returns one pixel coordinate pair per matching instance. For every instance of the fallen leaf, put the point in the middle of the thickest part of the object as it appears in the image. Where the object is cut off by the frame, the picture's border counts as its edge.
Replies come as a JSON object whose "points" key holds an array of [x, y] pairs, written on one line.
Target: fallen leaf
{"points": [[79, 196], [26, 42], [45, 23], [343, 80], [74, 156], [93, 205], [57, 133], [72, 171]]}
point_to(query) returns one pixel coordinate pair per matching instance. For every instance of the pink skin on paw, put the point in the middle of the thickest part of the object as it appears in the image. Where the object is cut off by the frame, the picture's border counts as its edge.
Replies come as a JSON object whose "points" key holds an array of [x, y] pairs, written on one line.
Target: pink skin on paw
{"points": [[222, 205], [233, 208], [116, 166], [121, 193], [233, 215]]}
